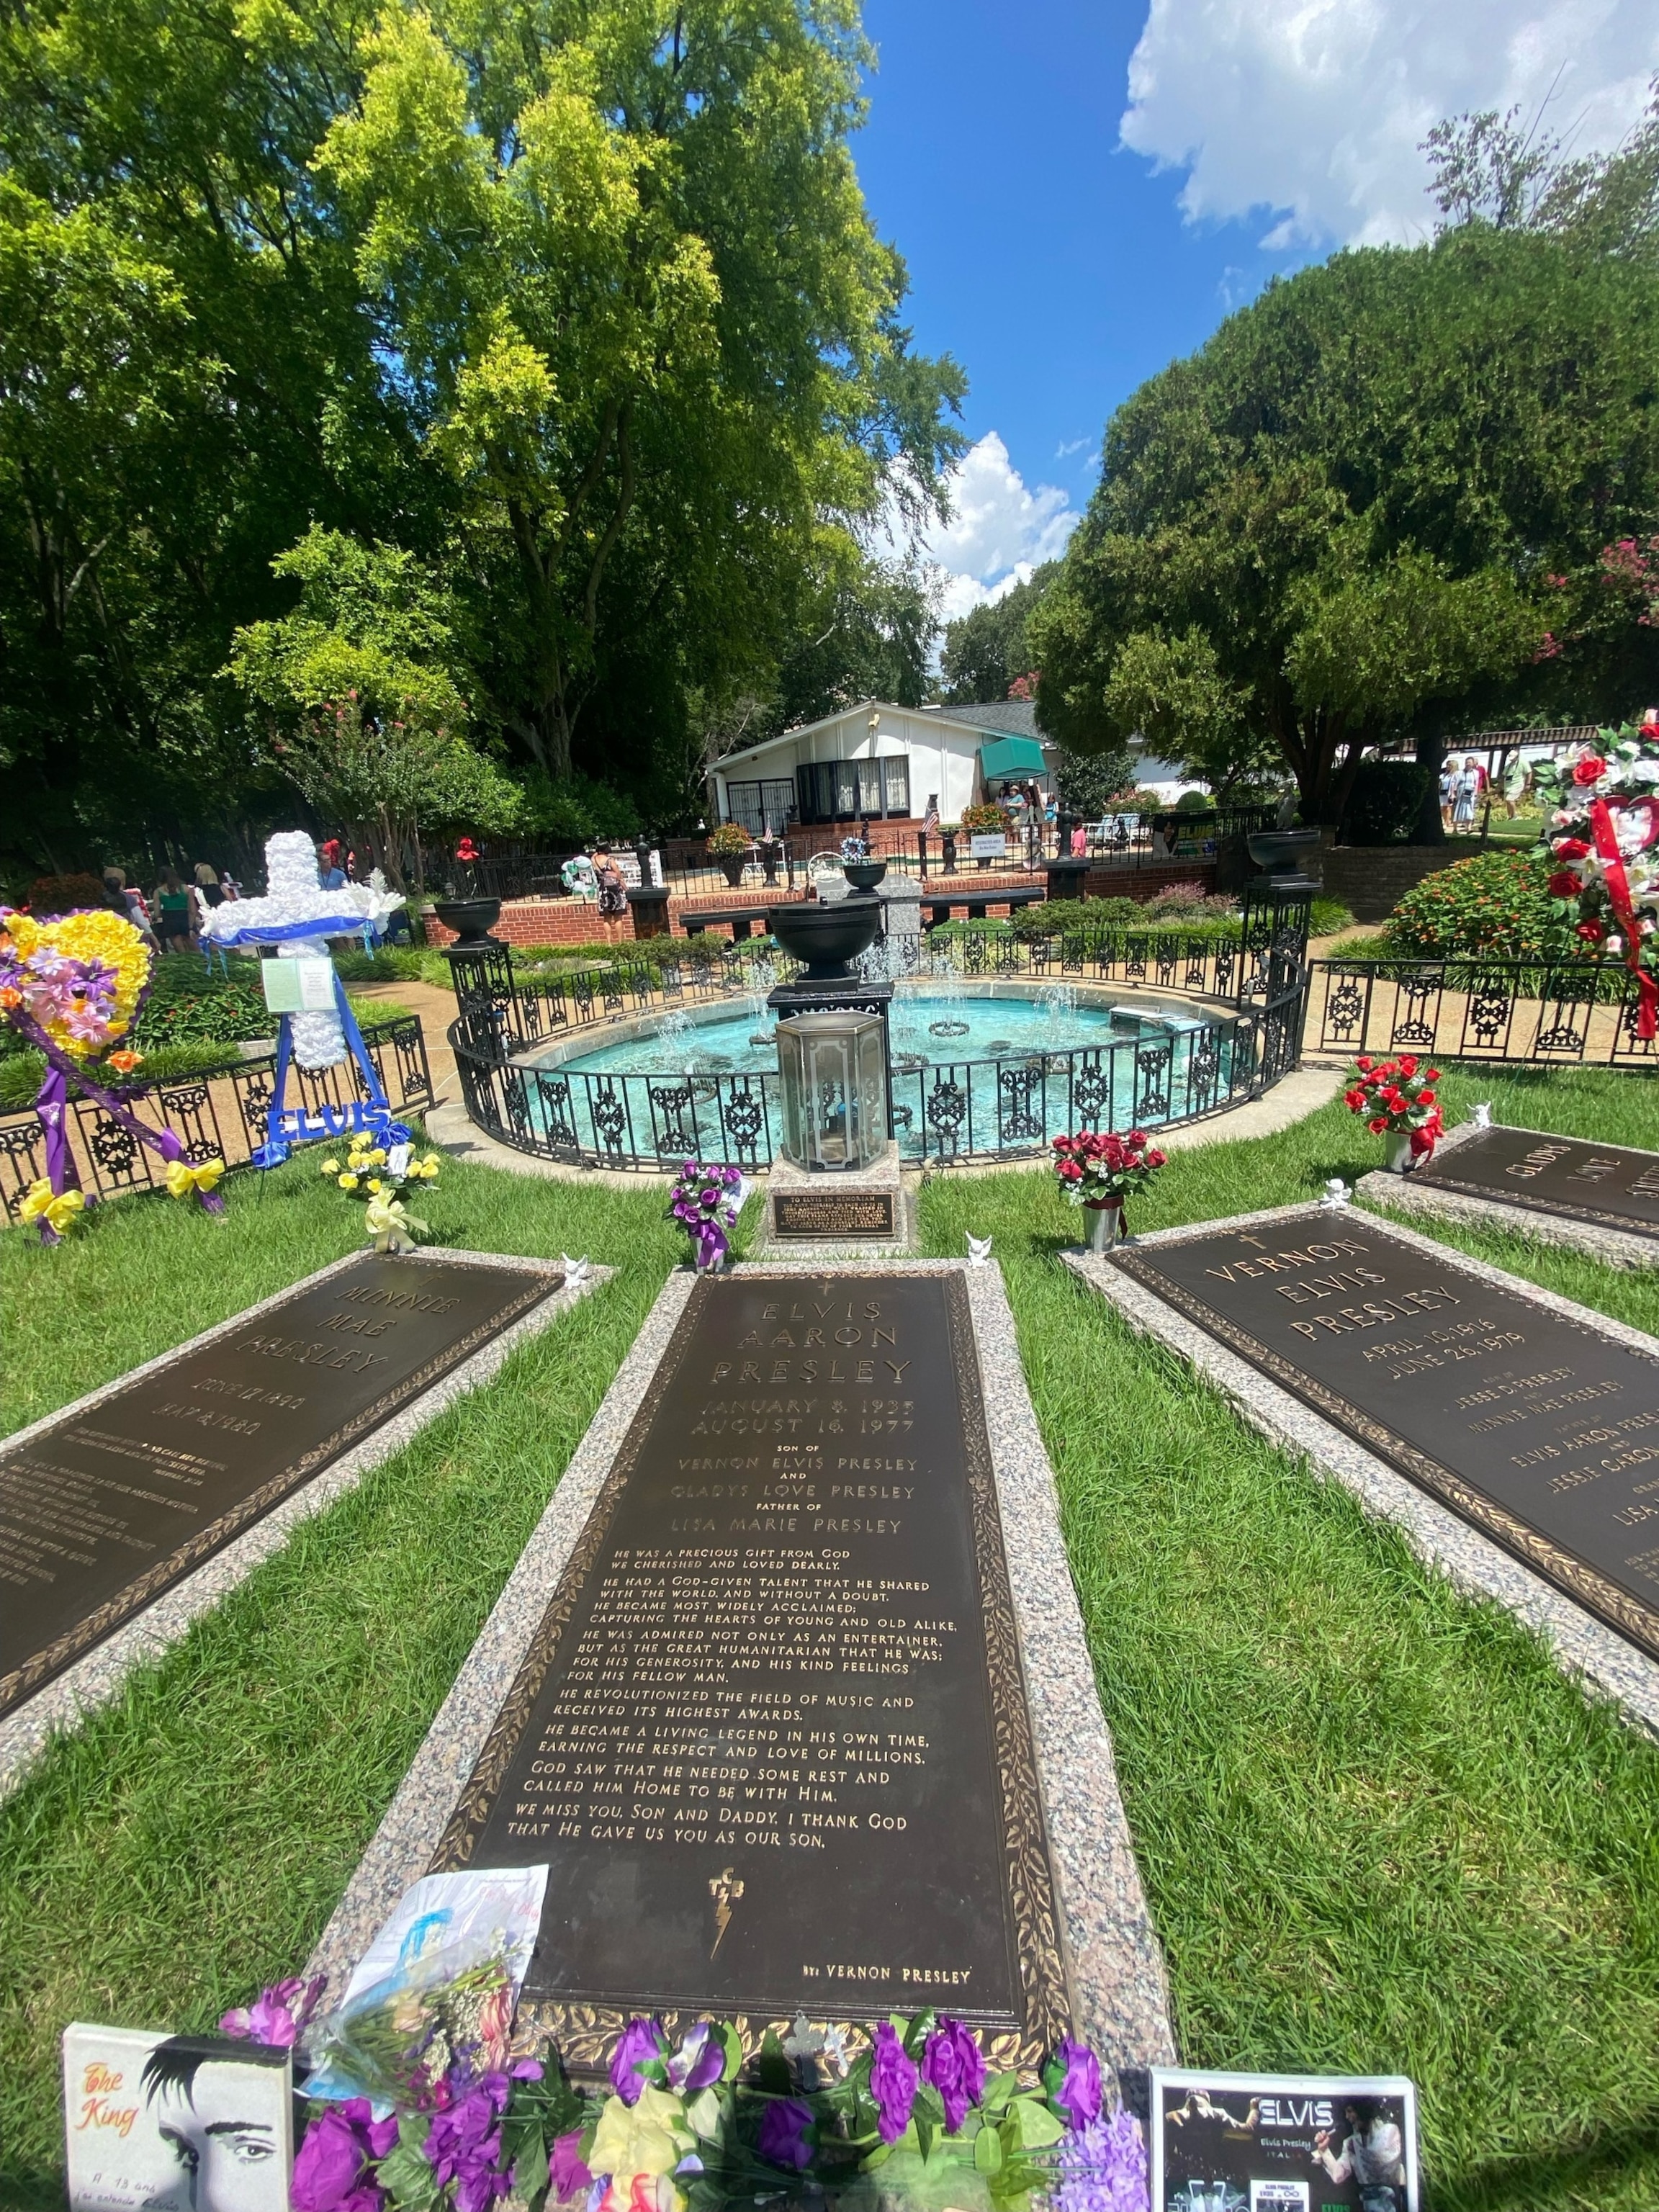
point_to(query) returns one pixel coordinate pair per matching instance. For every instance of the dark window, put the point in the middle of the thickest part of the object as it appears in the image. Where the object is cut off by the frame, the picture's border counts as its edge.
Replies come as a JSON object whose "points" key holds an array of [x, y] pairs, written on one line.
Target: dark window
{"points": [[844, 790], [769, 804]]}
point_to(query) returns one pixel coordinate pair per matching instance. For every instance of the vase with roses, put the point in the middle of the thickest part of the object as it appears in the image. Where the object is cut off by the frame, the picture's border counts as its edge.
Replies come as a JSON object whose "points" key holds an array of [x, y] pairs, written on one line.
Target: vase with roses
{"points": [[1097, 1169], [1397, 1101]]}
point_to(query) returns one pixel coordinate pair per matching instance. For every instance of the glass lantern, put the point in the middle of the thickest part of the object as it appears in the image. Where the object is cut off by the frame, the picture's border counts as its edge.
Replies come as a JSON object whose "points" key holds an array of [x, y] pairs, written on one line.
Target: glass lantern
{"points": [[834, 1072]]}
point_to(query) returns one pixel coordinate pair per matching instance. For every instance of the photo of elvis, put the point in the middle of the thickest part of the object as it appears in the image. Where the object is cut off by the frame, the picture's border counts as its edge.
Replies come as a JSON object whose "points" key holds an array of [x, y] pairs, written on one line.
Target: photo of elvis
{"points": [[1372, 2154], [177, 2123]]}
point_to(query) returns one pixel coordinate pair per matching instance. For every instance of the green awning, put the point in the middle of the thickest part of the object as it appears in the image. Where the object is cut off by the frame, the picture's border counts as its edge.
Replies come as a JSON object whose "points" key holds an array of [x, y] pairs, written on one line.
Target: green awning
{"points": [[1011, 756]]}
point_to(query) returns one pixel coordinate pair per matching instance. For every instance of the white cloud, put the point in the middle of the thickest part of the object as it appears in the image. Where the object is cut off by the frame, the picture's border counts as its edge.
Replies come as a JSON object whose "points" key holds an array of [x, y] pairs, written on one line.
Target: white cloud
{"points": [[1313, 111], [1000, 528], [1067, 446]]}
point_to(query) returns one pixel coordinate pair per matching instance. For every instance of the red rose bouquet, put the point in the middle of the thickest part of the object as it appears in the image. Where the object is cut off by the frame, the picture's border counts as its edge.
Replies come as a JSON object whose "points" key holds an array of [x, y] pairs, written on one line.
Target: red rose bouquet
{"points": [[1395, 1099], [1601, 839], [1098, 1168]]}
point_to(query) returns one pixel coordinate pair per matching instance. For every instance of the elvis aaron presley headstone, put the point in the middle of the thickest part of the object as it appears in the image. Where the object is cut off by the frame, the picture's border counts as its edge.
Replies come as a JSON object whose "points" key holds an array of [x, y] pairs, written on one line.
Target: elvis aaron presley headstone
{"points": [[103, 1511], [770, 1735], [1541, 1431]]}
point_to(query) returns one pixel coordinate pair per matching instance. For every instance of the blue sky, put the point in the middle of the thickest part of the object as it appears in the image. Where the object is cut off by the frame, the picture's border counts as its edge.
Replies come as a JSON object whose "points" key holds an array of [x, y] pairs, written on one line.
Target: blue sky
{"points": [[1062, 266]]}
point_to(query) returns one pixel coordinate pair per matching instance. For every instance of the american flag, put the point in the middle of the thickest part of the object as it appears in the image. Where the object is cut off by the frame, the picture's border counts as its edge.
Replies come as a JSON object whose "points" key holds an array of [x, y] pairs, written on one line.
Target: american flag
{"points": [[930, 819]]}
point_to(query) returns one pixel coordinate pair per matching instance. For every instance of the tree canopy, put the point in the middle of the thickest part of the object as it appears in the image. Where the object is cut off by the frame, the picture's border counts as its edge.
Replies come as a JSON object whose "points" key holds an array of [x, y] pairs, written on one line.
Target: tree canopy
{"points": [[1379, 497], [988, 650], [571, 316]]}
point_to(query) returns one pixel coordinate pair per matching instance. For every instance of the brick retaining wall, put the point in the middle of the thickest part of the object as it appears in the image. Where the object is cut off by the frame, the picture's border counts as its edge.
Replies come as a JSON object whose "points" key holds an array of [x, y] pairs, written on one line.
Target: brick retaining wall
{"points": [[573, 922], [1371, 880]]}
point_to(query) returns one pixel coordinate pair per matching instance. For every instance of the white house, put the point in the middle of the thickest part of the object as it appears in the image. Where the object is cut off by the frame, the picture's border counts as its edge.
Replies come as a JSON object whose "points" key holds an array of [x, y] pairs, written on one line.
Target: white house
{"points": [[883, 761]]}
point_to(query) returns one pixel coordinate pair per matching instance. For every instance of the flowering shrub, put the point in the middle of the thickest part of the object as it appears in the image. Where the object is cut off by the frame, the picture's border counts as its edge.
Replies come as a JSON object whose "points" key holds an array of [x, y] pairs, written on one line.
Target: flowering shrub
{"points": [[1096, 1165], [1396, 1094], [729, 839], [1497, 904], [1600, 842], [706, 1202]]}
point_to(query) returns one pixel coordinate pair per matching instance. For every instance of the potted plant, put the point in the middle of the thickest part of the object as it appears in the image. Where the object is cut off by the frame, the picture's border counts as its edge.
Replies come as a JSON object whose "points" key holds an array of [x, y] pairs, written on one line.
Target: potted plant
{"points": [[1096, 1170], [729, 845], [1397, 1100]]}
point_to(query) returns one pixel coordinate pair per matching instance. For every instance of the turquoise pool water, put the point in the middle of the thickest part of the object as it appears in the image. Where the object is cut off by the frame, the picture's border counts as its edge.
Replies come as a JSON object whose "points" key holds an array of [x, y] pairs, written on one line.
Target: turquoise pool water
{"points": [[928, 1029], [971, 1075]]}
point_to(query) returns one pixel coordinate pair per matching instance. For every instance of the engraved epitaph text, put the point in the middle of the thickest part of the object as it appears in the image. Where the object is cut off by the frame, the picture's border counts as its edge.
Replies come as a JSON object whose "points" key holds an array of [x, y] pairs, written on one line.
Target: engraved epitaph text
{"points": [[771, 1735], [1541, 1431], [1609, 1184], [833, 1213], [105, 1509]]}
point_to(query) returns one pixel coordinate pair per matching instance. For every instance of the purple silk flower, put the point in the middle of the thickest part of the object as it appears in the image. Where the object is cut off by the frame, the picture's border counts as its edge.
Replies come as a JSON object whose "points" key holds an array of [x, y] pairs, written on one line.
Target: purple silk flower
{"points": [[1079, 2094], [699, 2062], [953, 2062], [569, 2174], [640, 2042], [893, 2080], [1105, 2168], [464, 2144], [331, 2174], [278, 2015], [783, 2132]]}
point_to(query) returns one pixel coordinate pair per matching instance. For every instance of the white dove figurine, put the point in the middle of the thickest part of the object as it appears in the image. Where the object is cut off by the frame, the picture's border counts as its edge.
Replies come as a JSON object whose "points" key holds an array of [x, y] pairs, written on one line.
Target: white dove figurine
{"points": [[1337, 1196], [1480, 1115], [979, 1249], [576, 1272]]}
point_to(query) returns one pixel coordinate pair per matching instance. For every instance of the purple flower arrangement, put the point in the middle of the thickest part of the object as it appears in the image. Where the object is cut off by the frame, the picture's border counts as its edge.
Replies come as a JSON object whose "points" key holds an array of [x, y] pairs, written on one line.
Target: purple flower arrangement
{"points": [[702, 2139], [706, 1201]]}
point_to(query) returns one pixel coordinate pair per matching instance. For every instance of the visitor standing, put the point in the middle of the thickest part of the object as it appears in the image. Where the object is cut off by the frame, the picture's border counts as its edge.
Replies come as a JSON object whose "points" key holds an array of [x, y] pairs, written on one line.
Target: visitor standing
{"points": [[129, 903], [1447, 793], [207, 882], [173, 912], [330, 875], [1466, 791], [613, 892]]}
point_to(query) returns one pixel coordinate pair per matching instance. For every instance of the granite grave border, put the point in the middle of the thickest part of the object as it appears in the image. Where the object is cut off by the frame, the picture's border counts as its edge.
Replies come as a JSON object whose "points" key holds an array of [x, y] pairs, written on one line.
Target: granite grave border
{"points": [[1404, 1194], [1578, 1644], [96, 1679], [1116, 1968]]}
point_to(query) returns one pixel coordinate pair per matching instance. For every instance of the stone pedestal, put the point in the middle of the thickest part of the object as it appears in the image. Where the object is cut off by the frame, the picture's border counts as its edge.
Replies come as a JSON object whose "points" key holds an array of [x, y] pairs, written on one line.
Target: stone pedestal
{"points": [[818, 1215]]}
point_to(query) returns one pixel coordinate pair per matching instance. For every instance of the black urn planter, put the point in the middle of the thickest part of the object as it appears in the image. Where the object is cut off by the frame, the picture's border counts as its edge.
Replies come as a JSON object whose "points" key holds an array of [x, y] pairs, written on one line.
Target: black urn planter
{"points": [[731, 866], [472, 920], [1282, 852], [827, 937], [864, 875]]}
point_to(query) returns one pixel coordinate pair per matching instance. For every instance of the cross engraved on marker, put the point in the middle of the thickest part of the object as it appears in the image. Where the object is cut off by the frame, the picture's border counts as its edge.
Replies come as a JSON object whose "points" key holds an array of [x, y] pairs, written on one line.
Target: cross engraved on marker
{"points": [[725, 1892]]}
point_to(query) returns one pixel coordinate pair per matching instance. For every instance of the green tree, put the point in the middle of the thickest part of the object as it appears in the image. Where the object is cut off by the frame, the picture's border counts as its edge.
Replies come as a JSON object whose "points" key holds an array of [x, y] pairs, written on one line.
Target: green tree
{"points": [[649, 333], [988, 650], [1364, 508]]}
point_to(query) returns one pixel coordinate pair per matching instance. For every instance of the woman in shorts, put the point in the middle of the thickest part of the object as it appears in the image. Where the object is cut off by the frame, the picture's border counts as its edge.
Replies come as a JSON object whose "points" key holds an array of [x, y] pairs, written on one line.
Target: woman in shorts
{"points": [[171, 911]]}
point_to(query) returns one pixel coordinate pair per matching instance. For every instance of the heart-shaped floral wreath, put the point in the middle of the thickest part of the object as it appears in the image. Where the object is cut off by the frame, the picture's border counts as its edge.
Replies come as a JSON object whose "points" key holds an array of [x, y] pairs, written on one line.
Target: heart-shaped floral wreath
{"points": [[72, 988], [1602, 840]]}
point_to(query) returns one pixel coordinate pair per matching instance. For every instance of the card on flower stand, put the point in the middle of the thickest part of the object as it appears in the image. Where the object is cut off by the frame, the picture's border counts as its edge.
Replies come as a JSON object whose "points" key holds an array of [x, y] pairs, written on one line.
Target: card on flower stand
{"points": [[158, 2123]]}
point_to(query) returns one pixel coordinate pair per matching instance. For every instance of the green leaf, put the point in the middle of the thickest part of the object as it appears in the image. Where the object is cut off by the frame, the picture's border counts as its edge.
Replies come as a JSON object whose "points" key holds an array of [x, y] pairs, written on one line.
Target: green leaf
{"points": [[731, 2044], [772, 2071], [1037, 2124], [404, 2174], [998, 2090], [530, 2171], [988, 2151]]}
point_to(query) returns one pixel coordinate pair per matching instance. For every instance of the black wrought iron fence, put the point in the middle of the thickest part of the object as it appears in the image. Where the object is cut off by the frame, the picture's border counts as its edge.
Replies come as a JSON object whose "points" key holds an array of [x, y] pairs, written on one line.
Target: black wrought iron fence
{"points": [[219, 1113], [1529, 1013], [953, 1111]]}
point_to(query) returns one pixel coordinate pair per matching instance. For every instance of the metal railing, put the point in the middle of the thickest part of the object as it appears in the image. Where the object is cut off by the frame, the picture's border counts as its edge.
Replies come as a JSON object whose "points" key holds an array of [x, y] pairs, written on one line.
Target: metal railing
{"points": [[1006, 1108], [1523, 1013], [690, 874], [219, 1113]]}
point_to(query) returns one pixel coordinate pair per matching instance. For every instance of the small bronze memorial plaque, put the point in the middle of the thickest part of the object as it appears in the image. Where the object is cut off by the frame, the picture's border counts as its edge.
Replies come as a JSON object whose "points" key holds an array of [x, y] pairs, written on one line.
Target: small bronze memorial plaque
{"points": [[1611, 1185], [1540, 1430], [106, 1509], [834, 1214], [771, 1735]]}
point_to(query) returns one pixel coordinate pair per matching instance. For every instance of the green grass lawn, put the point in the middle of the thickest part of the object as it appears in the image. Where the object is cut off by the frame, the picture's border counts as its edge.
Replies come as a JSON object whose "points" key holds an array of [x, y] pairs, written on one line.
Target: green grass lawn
{"points": [[1377, 1828]]}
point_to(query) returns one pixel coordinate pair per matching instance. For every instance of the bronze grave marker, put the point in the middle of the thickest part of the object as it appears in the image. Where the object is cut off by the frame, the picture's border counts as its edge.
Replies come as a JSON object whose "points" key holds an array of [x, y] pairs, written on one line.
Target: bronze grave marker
{"points": [[771, 1734], [832, 1212], [105, 1509], [1542, 1431], [1612, 1185]]}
